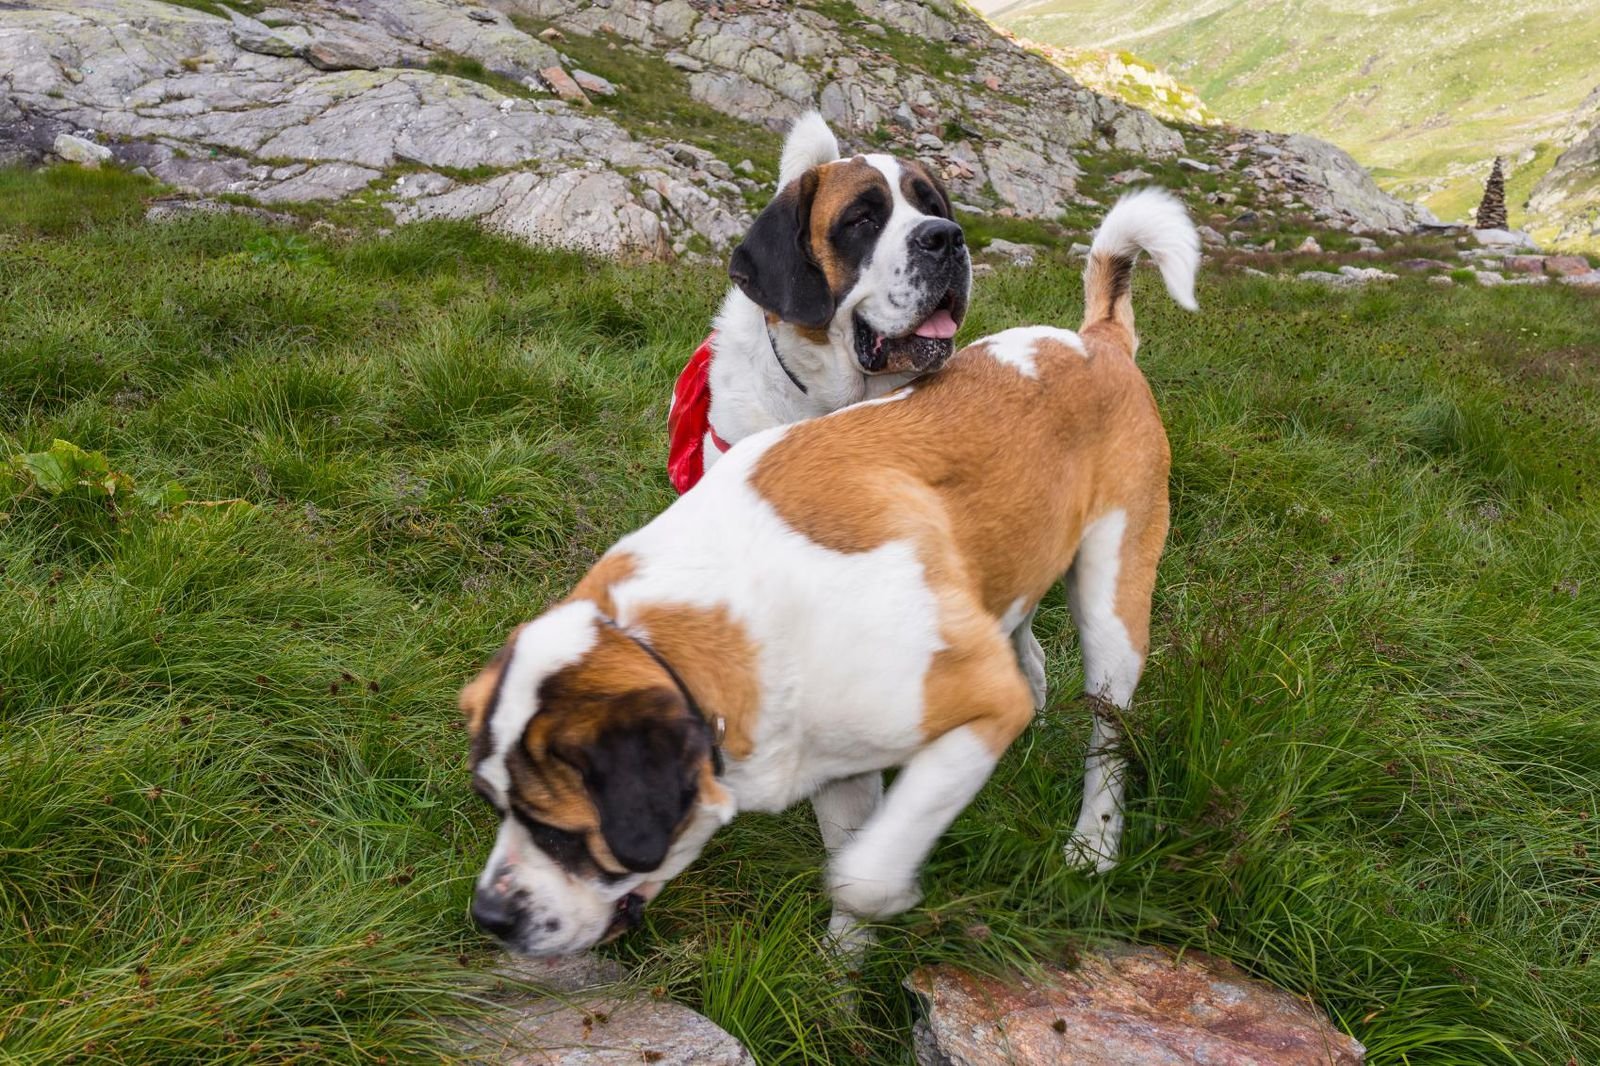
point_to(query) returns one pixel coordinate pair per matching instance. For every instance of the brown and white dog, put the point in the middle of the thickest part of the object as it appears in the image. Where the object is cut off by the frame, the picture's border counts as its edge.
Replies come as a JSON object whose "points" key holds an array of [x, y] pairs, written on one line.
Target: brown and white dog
{"points": [[836, 598], [850, 283]]}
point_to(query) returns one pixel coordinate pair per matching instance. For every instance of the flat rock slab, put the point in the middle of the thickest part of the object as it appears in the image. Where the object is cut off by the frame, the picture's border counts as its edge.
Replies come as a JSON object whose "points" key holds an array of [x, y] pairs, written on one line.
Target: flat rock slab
{"points": [[583, 1023], [1125, 1006]]}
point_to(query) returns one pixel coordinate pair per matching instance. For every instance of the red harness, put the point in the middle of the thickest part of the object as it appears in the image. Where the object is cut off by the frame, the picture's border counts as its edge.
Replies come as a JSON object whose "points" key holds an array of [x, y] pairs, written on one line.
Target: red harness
{"points": [[689, 421]]}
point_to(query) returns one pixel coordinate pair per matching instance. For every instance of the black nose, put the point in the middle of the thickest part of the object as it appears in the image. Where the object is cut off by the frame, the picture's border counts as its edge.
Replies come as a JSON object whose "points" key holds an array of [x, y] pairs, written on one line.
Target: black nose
{"points": [[939, 237], [494, 913]]}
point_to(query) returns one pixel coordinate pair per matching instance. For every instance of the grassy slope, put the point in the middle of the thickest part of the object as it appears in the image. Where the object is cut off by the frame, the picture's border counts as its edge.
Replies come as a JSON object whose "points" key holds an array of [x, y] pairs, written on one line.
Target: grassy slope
{"points": [[1425, 91], [235, 826]]}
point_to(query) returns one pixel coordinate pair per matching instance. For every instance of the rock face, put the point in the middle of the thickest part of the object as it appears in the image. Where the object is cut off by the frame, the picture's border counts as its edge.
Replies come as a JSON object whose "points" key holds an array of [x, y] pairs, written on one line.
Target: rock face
{"points": [[326, 99], [1123, 1007], [581, 1024], [1567, 199]]}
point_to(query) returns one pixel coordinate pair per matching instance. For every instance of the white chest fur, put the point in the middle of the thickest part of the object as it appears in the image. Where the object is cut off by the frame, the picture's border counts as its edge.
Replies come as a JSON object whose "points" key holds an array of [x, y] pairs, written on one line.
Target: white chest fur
{"points": [[840, 673]]}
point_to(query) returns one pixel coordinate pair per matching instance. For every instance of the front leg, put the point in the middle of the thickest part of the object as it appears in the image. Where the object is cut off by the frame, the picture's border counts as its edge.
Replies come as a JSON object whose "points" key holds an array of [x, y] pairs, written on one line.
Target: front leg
{"points": [[875, 875], [842, 808]]}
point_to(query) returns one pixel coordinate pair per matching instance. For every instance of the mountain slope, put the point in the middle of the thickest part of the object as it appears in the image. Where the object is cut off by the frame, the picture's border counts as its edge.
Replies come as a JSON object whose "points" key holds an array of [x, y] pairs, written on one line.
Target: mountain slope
{"points": [[1424, 91]]}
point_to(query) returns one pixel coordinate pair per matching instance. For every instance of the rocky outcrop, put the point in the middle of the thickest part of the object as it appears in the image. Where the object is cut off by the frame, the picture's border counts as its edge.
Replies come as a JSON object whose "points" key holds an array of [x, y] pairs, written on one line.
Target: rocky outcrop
{"points": [[338, 99], [1127, 1006], [1566, 201]]}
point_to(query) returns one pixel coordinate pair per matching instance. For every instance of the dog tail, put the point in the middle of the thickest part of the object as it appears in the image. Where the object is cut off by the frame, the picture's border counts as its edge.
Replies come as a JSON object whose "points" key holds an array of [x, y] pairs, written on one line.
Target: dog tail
{"points": [[1149, 219]]}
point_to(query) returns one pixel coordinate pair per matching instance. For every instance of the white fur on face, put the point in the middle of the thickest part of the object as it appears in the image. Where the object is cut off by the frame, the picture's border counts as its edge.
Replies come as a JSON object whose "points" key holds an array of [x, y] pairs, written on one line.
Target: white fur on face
{"points": [[555, 639], [885, 294]]}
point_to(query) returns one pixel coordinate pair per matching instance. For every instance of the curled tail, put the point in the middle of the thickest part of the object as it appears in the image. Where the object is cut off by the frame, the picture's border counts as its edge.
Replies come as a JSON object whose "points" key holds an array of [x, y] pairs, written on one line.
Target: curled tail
{"points": [[1151, 219]]}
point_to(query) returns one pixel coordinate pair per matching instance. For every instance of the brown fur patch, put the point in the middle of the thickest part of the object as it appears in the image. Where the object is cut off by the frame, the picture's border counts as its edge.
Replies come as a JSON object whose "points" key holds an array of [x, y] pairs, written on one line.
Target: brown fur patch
{"points": [[479, 694], [994, 476], [612, 569], [717, 661], [911, 173], [838, 185]]}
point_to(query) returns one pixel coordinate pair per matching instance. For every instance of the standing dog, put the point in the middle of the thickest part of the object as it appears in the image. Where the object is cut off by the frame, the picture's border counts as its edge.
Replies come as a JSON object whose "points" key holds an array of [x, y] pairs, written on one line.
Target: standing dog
{"points": [[835, 599], [850, 283]]}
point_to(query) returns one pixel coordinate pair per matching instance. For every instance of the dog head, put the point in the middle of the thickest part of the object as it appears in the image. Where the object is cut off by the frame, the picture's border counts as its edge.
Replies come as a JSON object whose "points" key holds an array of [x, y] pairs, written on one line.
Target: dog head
{"points": [[863, 249], [601, 774]]}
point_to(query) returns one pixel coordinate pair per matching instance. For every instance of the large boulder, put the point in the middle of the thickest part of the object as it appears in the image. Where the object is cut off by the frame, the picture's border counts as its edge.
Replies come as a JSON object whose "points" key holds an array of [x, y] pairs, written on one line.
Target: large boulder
{"points": [[1122, 1006]]}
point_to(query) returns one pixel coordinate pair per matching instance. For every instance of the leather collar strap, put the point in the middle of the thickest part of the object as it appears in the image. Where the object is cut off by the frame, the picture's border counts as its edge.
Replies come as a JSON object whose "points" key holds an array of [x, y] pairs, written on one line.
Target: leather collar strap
{"points": [[717, 725]]}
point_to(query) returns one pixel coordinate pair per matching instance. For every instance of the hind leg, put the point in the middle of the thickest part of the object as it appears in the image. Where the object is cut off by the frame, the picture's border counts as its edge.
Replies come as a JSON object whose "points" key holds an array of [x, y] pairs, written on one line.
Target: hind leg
{"points": [[1030, 658], [1108, 590]]}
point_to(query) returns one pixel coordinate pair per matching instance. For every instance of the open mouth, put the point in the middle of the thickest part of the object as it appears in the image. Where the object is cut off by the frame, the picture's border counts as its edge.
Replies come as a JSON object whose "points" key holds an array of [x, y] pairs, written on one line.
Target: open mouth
{"points": [[924, 348], [628, 914]]}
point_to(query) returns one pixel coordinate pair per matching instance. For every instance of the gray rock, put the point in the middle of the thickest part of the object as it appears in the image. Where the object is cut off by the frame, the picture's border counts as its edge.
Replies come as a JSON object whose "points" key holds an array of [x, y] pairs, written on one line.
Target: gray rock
{"points": [[1195, 165], [592, 211], [557, 1012], [330, 181], [1489, 277], [1078, 249], [1366, 274], [75, 149], [1123, 1006], [1589, 280], [593, 83], [1211, 236], [254, 36], [684, 62], [1309, 246], [342, 53], [1444, 280], [1326, 177], [1502, 239], [603, 1031], [1014, 253], [177, 209], [1128, 177]]}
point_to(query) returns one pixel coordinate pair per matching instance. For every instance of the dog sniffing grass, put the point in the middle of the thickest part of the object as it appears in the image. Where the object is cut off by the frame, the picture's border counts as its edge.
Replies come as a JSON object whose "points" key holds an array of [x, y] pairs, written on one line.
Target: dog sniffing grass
{"points": [[233, 821]]}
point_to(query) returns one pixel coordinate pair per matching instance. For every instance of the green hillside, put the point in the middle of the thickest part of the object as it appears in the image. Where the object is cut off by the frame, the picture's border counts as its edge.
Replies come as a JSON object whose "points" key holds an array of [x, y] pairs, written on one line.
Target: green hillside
{"points": [[1425, 92]]}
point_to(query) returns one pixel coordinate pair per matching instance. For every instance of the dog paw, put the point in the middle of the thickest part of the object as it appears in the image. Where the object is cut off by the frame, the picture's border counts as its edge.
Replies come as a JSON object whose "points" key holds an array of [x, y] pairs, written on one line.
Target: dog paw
{"points": [[849, 937], [1091, 854], [866, 893]]}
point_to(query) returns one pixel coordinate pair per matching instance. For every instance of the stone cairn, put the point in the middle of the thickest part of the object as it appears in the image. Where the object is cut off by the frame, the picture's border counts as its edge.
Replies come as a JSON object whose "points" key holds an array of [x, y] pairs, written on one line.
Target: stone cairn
{"points": [[1492, 210]]}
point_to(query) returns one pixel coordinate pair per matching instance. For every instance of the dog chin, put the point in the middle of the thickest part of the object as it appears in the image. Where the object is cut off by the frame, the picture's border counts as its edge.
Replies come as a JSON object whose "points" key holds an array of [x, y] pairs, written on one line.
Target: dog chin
{"points": [[909, 354]]}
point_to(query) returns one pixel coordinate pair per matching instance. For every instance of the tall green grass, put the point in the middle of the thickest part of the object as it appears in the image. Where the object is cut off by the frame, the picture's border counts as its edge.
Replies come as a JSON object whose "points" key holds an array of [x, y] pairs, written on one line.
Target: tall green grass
{"points": [[233, 817]]}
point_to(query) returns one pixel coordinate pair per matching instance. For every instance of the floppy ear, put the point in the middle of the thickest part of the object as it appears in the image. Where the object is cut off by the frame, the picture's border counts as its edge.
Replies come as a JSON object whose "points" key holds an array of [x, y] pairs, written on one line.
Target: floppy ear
{"points": [[643, 778], [774, 266]]}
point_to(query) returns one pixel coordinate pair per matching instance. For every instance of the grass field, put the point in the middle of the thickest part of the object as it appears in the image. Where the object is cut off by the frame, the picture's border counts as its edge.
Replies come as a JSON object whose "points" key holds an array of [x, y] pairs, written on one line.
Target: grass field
{"points": [[234, 821]]}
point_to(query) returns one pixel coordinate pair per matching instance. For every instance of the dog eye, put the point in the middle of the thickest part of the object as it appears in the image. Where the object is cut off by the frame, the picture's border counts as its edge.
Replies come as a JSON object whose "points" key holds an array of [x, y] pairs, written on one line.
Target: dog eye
{"points": [[863, 220]]}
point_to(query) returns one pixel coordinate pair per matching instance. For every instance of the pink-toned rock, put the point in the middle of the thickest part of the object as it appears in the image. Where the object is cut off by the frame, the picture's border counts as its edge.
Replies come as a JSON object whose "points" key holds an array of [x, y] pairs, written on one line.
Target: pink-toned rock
{"points": [[1566, 265], [1525, 264], [562, 85], [1124, 1006]]}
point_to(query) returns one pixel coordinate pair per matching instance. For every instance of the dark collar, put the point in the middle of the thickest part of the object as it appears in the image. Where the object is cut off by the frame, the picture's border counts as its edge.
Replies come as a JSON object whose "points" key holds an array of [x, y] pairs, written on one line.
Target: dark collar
{"points": [[715, 724], [772, 339]]}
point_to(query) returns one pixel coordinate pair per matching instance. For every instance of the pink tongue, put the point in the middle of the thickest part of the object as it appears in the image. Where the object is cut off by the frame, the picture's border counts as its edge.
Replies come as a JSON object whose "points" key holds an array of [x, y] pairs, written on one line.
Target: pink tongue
{"points": [[939, 325]]}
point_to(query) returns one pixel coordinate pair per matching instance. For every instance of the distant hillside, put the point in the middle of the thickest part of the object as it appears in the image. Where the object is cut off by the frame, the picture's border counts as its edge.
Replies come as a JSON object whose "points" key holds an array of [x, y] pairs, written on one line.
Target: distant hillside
{"points": [[1113, 72], [1425, 92]]}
